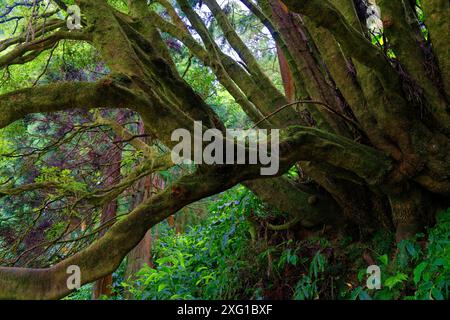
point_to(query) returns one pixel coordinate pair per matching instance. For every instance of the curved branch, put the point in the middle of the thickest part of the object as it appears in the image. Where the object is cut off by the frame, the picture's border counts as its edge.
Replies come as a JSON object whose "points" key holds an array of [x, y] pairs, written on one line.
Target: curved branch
{"points": [[47, 26], [288, 225], [26, 188], [35, 47], [58, 97], [105, 255]]}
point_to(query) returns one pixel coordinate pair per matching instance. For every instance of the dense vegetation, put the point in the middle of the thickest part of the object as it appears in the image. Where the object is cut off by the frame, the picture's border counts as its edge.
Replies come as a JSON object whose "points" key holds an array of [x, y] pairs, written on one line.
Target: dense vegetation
{"points": [[216, 260], [225, 257], [359, 90]]}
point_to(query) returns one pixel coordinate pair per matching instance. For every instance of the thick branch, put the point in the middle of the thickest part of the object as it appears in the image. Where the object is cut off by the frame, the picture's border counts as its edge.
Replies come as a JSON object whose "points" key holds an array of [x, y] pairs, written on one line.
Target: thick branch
{"points": [[57, 97], [353, 42], [37, 46], [105, 255], [436, 20], [244, 52], [405, 38]]}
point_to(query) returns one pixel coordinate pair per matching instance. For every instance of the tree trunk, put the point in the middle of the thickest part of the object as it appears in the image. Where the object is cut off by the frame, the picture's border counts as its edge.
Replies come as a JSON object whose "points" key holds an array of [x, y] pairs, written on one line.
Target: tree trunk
{"points": [[103, 286], [141, 254], [371, 130]]}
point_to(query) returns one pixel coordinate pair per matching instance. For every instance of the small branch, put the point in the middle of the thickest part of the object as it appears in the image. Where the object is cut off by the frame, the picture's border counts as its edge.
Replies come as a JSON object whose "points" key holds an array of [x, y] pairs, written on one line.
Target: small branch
{"points": [[285, 226], [327, 107], [46, 65]]}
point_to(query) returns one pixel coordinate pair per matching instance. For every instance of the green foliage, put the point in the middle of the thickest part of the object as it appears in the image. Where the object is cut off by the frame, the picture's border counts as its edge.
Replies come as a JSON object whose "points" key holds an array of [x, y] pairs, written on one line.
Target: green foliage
{"points": [[419, 271], [307, 287], [432, 275], [84, 293], [396, 279], [289, 256], [204, 263], [61, 177]]}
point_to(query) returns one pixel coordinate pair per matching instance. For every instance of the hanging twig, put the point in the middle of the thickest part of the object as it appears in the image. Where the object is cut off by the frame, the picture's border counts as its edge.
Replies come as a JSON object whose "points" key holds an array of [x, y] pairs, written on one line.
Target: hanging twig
{"points": [[308, 102], [188, 66], [46, 65]]}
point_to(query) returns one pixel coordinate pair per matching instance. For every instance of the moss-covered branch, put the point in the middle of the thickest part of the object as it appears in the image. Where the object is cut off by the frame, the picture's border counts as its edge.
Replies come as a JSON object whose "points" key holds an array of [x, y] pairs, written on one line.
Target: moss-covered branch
{"points": [[436, 20], [405, 38], [19, 54], [58, 97], [354, 44], [105, 255]]}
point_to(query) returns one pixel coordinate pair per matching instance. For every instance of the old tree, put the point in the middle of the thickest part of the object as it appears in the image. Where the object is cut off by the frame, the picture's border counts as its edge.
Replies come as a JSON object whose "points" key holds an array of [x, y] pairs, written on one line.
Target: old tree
{"points": [[367, 122]]}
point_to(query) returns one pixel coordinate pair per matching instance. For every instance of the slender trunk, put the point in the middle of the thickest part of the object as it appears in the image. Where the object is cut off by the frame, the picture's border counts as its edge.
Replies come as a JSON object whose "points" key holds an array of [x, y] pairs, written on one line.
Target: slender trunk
{"points": [[141, 254], [103, 286]]}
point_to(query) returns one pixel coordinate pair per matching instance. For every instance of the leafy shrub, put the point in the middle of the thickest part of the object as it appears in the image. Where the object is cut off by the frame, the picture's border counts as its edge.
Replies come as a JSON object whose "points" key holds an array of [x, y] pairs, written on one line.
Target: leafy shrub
{"points": [[204, 263], [416, 273], [307, 286]]}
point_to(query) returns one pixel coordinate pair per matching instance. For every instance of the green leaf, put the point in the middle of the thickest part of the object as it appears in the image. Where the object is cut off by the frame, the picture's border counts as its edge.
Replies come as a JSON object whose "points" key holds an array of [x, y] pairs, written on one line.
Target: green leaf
{"points": [[438, 262], [418, 271], [383, 259], [436, 293], [361, 274], [161, 287], [293, 259], [411, 249], [393, 281]]}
